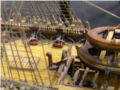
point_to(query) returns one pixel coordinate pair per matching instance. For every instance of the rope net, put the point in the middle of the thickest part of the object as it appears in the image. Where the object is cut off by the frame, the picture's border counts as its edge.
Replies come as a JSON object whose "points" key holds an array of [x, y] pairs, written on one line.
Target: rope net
{"points": [[42, 11], [22, 64]]}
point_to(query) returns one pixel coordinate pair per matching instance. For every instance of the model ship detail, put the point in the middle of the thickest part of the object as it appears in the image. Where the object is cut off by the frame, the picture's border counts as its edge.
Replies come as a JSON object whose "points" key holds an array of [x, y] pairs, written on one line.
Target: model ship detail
{"points": [[45, 46]]}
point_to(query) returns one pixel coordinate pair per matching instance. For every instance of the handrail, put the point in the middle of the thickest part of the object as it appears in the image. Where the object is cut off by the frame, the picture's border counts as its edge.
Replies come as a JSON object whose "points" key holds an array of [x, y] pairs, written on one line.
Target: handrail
{"points": [[94, 62], [94, 38]]}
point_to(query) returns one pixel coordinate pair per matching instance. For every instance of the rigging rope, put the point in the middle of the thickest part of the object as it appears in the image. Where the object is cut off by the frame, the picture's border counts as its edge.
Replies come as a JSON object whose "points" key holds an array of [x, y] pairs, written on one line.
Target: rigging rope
{"points": [[84, 12], [44, 54], [102, 9]]}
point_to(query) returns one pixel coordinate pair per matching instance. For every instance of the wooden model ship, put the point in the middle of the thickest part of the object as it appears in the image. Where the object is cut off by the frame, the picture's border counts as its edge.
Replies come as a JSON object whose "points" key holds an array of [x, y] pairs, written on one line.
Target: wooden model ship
{"points": [[45, 46]]}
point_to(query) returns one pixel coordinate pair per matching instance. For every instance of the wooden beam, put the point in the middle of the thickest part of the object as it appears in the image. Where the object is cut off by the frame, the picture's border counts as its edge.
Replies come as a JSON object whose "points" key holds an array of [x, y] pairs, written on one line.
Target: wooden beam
{"points": [[103, 52], [84, 75], [66, 68]]}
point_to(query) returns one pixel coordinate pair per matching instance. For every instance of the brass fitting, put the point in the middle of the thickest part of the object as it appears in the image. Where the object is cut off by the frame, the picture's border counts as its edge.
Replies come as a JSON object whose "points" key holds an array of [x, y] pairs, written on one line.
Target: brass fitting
{"points": [[87, 24], [72, 26], [48, 24], [60, 25], [35, 23], [23, 21], [11, 20]]}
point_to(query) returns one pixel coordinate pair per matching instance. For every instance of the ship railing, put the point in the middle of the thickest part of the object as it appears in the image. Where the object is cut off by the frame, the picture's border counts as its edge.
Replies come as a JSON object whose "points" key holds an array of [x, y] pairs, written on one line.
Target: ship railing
{"points": [[66, 30]]}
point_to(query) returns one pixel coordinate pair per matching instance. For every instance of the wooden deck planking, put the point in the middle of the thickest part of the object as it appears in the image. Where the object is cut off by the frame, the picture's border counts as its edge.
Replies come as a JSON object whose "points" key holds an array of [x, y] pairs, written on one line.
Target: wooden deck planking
{"points": [[38, 52]]}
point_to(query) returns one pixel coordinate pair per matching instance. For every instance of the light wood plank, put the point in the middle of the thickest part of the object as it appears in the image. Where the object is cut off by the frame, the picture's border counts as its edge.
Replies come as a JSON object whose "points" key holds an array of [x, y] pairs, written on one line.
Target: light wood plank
{"points": [[103, 52]]}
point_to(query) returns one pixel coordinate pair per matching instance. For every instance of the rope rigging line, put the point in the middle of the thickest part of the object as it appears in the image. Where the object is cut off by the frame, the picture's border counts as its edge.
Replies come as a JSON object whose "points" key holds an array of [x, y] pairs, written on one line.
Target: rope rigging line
{"points": [[18, 54], [29, 48], [14, 42], [102, 9], [84, 12], [12, 47], [45, 61], [4, 47], [24, 45]]}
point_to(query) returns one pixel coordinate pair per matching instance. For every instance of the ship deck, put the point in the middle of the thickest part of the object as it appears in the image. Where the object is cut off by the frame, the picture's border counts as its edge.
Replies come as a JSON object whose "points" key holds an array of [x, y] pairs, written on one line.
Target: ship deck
{"points": [[39, 53]]}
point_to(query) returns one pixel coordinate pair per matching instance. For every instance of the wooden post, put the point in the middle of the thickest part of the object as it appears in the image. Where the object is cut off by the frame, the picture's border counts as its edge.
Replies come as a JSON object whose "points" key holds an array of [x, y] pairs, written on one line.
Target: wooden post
{"points": [[107, 76], [116, 58], [75, 77], [84, 75], [95, 78], [64, 55], [61, 67], [88, 25], [49, 59], [69, 62]]}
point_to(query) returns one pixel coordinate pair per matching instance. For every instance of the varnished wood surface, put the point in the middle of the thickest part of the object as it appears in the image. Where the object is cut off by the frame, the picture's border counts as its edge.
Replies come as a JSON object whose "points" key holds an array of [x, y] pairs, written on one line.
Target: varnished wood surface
{"points": [[94, 38]]}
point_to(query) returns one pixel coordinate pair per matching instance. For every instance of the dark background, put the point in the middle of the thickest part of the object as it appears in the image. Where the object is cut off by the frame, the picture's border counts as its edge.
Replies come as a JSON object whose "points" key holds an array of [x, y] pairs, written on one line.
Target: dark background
{"points": [[96, 17], [86, 12]]}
